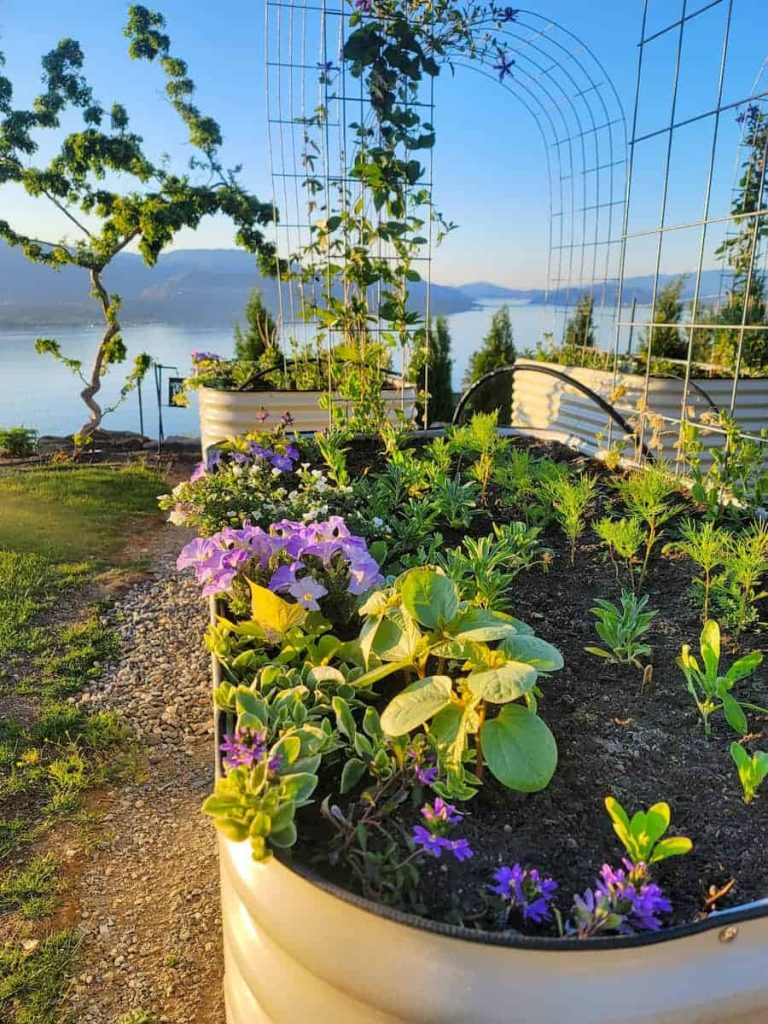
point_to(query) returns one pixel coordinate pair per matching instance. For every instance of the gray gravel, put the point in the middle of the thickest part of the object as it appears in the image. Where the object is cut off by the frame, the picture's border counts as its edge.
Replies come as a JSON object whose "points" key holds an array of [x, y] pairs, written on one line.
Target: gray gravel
{"points": [[147, 900]]}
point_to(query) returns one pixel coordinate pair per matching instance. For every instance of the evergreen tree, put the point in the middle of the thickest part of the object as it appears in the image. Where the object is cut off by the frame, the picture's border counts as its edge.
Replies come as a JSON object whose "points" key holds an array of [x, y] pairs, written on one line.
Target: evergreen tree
{"points": [[498, 349], [667, 342], [741, 251], [260, 332], [430, 370], [580, 328]]}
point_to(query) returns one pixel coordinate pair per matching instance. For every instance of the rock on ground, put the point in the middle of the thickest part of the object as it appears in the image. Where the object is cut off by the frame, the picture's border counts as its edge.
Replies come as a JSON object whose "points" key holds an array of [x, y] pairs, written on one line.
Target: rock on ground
{"points": [[148, 898]]}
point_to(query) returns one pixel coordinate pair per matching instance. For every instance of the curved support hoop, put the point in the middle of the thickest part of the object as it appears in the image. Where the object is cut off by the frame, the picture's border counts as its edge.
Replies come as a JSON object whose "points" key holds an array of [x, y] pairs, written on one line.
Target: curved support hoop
{"points": [[512, 369]]}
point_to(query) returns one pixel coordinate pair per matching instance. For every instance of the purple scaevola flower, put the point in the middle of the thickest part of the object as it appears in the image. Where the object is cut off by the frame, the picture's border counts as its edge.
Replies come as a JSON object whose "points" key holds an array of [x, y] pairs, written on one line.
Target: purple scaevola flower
{"points": [[245, 749], [430, 844], [621, 901], [307, 590], [204, 357], [286, 419], [440, 817], [460, 849], [525, 890], [504, 65], [262, 415], [426, 774]]}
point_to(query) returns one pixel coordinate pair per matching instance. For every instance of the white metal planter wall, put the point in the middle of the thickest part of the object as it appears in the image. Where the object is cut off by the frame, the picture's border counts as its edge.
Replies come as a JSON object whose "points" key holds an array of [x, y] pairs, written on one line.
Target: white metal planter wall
{"points": [[546, 406], [226, 414], [296, 953]]}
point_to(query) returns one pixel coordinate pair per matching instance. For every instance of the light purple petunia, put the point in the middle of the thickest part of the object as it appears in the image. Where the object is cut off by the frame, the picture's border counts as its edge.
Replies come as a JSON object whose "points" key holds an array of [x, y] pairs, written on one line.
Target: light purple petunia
{"points": [[307, 590]]}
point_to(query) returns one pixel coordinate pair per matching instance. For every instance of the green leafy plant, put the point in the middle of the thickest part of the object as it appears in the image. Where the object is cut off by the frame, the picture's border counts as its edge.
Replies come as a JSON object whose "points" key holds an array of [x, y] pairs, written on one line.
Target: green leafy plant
{"points": [[707, 546], [18, 442], [752, 770], [523, 480], [712, 691], [420, 625], [641, 835], [737, 589], [570, 501], [480, 437], [620, 629], [485, 568], [623, 538], [647, 495]]}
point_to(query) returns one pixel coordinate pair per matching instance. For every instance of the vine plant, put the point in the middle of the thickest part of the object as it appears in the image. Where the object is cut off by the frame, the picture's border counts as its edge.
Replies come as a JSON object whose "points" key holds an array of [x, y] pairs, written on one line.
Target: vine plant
{"points": [[366, 243]]}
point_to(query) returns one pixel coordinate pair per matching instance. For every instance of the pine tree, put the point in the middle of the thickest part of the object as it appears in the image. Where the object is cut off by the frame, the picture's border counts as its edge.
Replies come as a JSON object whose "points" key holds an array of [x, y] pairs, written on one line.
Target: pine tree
{"points": [[430, 370], [498, 349], [260, 332], [667, 342], [580, 328]]}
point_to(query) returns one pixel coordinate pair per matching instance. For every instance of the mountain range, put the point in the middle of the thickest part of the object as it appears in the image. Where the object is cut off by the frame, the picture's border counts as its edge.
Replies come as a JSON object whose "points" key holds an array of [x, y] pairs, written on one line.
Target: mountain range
{"points": [[209, 287]]}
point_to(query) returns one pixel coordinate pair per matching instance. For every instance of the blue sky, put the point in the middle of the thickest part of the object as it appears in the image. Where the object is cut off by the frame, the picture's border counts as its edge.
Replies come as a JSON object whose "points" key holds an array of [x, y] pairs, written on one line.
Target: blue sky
{"points": [[490, 169]]}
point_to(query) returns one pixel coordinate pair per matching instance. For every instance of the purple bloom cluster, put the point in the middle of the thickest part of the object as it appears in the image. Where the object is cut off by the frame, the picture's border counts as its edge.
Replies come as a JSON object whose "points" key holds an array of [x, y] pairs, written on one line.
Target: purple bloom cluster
{"points": [[217, 560], [364, 6], [282, 461], [246, 749], [440, 817], [204, 357], [621, 901], [526, 891], [425, 769]]}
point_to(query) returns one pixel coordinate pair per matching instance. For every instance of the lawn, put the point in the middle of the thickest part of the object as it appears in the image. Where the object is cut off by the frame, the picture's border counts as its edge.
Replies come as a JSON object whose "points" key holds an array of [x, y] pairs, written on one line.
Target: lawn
{"points": [[59, 526]]}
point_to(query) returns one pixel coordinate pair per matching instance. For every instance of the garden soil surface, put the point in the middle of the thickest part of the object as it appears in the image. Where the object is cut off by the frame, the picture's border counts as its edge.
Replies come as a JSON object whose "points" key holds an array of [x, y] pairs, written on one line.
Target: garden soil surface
{"points": [[640, 744]]}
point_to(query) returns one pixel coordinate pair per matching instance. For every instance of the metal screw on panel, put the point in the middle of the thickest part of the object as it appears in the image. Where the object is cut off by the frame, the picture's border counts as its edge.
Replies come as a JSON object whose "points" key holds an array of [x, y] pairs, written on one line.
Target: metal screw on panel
{"points": [[728, 934]]}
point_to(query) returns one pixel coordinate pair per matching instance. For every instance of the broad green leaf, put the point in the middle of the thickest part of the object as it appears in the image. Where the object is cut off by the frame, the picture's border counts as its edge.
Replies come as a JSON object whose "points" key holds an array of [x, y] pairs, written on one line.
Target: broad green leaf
{"points": [[352, 772], [675, 846], [380, 672], [616, 812], [743, 667], [502, 684], [740, 756], [299, 787], [397, 637], [481, 624], [533, 651], [285, 837], [416, 704], [272, 614], [657, 821], [710, 647], [429, 597], [288, 747], [519, 749], [734, 714], [325, 674], [344, 720]]}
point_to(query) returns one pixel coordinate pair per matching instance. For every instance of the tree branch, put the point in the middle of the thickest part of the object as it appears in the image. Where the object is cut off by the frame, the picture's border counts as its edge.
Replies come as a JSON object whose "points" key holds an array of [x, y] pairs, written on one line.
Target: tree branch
{"points": [[63, 209]]}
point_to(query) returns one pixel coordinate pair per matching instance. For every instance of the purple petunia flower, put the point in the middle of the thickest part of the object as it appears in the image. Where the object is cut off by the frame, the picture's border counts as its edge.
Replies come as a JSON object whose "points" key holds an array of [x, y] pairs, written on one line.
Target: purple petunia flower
{"points": [[195, 553], [281, 462], [364, 6], [284, 577], [307, 590], [525, 890]]}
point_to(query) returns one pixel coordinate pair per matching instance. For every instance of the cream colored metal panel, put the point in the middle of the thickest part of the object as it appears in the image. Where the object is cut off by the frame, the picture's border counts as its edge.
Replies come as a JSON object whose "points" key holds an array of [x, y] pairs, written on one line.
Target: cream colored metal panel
{"points": [[304, 954]]}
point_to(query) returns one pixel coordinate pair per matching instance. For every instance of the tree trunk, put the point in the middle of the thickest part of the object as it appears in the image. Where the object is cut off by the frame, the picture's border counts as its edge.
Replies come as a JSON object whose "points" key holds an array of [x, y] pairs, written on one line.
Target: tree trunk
{"points": [[93, 386]]}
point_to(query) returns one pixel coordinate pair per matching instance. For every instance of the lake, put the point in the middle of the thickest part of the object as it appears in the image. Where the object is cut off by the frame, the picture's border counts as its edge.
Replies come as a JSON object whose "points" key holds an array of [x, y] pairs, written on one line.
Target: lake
{"points": [[41, 393]]}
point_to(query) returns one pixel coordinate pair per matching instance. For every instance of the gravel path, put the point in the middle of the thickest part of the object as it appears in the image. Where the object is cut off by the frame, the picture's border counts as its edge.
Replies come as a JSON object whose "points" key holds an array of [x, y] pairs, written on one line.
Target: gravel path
{"points": [[148, 899]]}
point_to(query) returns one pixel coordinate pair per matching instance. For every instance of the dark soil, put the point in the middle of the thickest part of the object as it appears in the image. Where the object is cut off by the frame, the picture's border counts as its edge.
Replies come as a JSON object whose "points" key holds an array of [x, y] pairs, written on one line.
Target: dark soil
{"points": [[617, 738]]}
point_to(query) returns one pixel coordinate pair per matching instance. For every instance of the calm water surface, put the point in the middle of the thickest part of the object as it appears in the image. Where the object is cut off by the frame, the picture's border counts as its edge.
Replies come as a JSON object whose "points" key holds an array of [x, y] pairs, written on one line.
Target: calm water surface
{"points": [[38, 392]]}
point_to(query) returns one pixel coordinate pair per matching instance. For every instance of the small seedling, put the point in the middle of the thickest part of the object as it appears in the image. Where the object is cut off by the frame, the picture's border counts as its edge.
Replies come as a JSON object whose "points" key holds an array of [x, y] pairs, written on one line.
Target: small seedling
{"points": [[709, 689], [620, 629], [641, 835], [752, 770], [570, 500]]}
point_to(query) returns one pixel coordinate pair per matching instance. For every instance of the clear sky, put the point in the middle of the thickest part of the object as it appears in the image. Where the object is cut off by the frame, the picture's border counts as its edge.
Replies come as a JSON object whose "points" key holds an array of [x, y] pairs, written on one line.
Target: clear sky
{"points": [[490, 169]]}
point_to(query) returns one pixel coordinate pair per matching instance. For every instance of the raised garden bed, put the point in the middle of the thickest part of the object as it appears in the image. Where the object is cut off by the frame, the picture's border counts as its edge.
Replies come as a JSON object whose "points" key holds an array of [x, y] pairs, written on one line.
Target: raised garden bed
{"points": [[628, 731]]}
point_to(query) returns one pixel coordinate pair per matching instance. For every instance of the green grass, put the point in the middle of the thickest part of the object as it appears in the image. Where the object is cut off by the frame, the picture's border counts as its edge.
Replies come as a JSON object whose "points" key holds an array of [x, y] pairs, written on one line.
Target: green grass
{"points": [[32, 982], [73, 513], [58, 525]]}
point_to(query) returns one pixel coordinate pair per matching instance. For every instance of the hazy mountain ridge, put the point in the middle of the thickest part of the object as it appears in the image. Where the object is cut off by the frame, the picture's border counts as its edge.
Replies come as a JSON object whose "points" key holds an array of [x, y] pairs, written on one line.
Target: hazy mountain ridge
{"points": [[209, 287]]}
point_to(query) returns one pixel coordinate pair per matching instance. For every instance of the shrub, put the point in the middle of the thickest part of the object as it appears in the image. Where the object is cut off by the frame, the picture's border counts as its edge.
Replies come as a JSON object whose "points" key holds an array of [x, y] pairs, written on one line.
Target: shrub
{"points": [[18, 442]]}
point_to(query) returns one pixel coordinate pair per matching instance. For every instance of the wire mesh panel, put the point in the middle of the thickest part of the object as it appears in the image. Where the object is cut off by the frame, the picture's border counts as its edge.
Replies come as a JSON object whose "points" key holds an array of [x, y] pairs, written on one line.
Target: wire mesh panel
{"points": [[318, 112], [693, 256]]}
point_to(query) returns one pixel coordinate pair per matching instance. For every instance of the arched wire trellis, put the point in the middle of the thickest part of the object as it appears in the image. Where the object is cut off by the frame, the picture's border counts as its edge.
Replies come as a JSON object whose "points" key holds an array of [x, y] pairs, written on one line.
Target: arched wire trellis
{"points": [[720, 248], [554, 76]]}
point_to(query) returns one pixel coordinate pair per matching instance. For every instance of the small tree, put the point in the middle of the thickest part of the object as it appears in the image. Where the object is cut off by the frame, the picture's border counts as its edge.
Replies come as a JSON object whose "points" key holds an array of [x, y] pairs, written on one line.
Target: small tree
{"points": [[101, 179], [430, 370], [260, 332], [580, 328], [667, 342], [498, 350]]}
